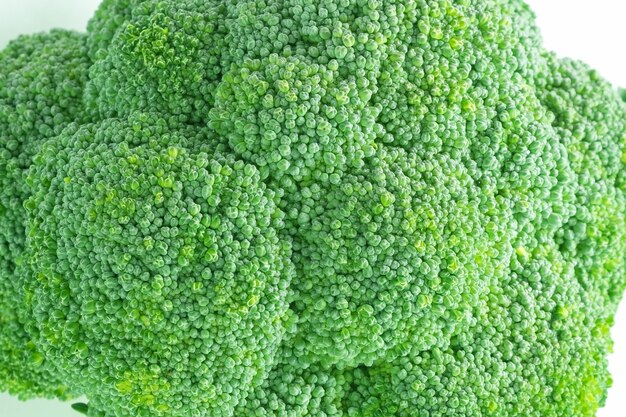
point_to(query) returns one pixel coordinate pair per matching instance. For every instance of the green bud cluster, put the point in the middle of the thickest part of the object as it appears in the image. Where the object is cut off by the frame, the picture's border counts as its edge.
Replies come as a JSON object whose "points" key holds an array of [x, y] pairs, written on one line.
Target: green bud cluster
{"points": [[298, 208]]}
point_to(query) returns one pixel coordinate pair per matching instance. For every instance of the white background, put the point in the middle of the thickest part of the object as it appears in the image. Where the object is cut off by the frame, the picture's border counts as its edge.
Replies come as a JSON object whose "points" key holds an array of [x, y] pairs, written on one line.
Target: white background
{"points": [[591, 30]]}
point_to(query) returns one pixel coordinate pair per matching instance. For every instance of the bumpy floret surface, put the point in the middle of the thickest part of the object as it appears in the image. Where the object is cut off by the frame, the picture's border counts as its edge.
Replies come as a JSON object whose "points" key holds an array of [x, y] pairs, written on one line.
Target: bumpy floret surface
{"points": [[335, 208]]}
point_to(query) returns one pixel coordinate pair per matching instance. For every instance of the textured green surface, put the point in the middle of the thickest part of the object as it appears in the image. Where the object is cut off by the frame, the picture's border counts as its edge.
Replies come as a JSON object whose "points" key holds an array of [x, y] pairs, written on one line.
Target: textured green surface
{"points": [[42, 80], [289, 208]]}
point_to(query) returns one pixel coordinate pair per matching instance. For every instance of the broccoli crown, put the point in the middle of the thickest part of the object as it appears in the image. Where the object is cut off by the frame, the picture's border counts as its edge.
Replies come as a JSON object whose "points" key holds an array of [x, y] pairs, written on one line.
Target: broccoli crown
{"points": [[297, 208], [42, 78], [185, 265]]}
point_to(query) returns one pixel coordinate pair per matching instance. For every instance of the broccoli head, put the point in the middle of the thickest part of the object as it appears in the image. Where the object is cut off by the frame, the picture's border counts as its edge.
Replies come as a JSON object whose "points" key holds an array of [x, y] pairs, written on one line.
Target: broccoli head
{"points": [[42, 78], [297, 208], [184, 297]]}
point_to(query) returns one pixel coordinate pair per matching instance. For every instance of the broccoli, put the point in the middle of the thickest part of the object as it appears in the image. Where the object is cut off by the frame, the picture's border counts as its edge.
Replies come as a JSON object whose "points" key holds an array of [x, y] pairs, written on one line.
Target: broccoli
{"points": [[186, 266], [297, 208], [41, 85]]}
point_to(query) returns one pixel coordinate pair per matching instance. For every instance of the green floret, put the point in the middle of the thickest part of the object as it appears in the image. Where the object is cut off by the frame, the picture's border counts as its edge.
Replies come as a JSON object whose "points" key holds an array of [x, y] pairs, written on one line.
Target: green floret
{"points": [[294, 388], [301, 75], [591, 123], [455, 67], [302, 208], [159, 256], [163, 58], [391, 259], [41, 83], [538, 351], [110, 16]]}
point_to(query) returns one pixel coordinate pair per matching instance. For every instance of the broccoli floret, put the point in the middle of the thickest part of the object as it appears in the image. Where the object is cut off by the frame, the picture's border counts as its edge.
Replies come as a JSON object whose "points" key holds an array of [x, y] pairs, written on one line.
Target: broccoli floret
{"points": [[296, 95], [379, 270], [591, 124], [165, 53], [295, 388], [183, 298], [41, 84], [110, 16], [529, 354], [298, 208]]}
